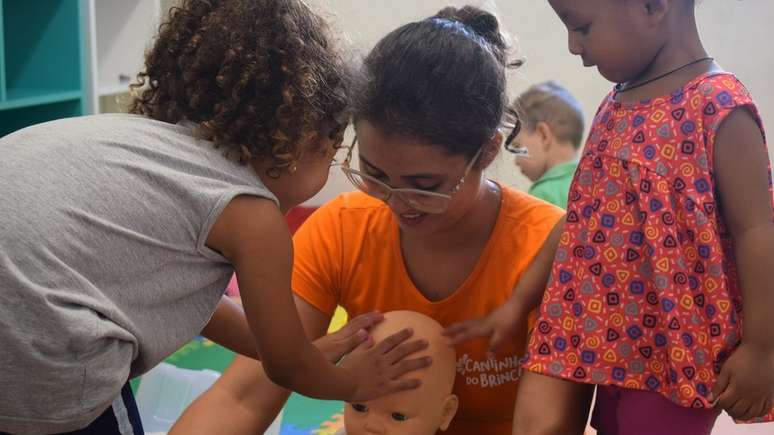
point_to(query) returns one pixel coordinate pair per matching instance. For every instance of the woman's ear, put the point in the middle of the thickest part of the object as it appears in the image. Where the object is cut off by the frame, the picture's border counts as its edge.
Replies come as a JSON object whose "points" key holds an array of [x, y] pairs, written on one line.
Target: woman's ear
{"points": [[450, 406], [490, 151]]}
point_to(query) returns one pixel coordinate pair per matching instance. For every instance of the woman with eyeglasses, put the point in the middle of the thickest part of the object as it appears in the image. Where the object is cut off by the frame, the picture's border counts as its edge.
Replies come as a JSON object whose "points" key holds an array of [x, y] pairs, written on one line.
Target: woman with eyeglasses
{"points": [[426, 231]]}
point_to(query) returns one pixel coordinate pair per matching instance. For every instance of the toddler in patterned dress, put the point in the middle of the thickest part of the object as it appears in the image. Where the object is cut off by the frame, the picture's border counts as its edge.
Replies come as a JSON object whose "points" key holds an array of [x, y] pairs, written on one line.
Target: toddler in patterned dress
{"points": [[658, 285]]}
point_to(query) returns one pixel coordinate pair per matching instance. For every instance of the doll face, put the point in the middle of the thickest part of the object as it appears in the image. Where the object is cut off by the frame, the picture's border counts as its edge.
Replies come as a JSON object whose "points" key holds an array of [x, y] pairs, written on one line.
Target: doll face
{"points": [[423, 411], [414, 413]]}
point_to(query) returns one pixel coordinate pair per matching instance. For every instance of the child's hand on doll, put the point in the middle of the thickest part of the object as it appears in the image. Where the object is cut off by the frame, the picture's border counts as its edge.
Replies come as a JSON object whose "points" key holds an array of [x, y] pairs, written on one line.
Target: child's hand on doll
{"points": [[340, 343], [378, 369], [745, 386], [500, 326]]}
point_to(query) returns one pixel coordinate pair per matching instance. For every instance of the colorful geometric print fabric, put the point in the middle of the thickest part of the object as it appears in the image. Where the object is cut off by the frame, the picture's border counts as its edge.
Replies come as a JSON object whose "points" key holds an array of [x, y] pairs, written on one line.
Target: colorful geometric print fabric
{"points": [[643, 292]]}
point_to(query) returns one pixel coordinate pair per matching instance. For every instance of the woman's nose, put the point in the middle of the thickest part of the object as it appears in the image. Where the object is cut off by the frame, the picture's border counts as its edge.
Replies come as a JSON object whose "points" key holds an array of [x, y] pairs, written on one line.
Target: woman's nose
{"points": [[398, 205]]}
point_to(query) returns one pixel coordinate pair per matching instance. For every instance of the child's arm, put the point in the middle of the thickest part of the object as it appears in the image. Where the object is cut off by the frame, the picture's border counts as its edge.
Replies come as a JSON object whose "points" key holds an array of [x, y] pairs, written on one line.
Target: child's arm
{"points": [[745, 387], [252, 233], [228, 327], [504, 322], [244, 402]]}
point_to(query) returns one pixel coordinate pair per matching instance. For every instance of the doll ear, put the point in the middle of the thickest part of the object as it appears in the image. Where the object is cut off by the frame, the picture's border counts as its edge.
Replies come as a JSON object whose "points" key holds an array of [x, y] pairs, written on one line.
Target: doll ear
{"points": [[450, 406]]}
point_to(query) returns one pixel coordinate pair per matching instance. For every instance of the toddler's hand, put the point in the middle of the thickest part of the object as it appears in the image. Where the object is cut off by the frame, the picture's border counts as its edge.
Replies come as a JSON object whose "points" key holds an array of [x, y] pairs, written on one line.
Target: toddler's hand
{"points": [[745, 386], [376, 369], [501, 325]]}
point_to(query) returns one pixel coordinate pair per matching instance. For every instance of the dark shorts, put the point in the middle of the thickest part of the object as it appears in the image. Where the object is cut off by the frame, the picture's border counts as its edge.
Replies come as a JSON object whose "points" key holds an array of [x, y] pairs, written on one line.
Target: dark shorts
{"points": [[121, 418]]}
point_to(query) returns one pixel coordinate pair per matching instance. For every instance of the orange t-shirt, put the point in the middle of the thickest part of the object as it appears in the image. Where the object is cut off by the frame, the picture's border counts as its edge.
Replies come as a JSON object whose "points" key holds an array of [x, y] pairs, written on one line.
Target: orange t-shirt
{"points": [[348, 253]]}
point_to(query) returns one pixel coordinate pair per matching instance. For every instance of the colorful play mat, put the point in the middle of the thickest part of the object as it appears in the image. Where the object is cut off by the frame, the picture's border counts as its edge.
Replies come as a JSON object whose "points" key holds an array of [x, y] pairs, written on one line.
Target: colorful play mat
{"points": [[301, 415]]}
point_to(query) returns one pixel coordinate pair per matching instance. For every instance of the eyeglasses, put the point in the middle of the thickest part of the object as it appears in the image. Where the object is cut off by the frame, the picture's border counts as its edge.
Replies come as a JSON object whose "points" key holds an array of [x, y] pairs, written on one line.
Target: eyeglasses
{"points": [[422, 200], [513, 147]]}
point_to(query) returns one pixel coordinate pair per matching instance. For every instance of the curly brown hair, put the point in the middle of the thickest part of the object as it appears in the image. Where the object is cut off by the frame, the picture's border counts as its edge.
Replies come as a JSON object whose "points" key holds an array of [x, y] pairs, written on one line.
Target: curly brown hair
{"points": [[261, 78]]}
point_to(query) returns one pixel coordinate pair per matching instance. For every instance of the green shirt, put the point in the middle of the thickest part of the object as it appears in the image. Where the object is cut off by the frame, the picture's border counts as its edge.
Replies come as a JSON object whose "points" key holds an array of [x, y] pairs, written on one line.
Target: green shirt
{"points": [[554, 185]]}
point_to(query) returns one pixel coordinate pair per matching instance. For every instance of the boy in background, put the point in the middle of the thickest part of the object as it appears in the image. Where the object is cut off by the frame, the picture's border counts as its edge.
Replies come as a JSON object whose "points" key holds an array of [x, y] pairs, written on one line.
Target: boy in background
{"points": [[552, 133]]}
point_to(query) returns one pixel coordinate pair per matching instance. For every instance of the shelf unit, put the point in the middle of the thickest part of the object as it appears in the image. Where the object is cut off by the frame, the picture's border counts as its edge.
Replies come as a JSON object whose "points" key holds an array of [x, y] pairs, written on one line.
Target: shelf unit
{"points": [[120, 32], [63, 58], [42, 53]]}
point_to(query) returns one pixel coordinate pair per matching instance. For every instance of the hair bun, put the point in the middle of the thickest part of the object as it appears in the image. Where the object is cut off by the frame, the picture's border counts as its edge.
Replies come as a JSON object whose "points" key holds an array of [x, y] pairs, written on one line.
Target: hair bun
{"points": [[483, 23]]}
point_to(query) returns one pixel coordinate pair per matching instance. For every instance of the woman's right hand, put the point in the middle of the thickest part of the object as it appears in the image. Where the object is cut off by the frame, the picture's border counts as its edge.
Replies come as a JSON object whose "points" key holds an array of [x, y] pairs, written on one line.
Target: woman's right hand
{"points": [[499, 326], [377, 369]]}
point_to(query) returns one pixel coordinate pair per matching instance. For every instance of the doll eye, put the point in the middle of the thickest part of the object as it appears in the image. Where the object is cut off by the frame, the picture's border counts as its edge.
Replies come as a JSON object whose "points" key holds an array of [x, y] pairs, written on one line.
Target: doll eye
{"points": [[359, 407], [397, 416]]}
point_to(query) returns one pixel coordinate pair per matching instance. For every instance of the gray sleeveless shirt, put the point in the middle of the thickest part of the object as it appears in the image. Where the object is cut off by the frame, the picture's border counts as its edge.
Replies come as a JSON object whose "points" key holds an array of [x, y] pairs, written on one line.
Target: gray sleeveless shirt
{"points": [[103, 223]]}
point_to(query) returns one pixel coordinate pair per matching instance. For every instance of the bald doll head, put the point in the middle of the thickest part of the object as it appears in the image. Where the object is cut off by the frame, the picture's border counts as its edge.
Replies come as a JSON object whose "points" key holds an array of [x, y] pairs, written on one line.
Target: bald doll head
{"points": [[423, 411]]}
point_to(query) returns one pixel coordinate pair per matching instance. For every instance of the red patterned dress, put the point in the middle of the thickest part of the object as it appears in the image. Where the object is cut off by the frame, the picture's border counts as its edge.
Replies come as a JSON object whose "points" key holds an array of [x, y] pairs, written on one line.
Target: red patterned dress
{"points": [[644, 292]]}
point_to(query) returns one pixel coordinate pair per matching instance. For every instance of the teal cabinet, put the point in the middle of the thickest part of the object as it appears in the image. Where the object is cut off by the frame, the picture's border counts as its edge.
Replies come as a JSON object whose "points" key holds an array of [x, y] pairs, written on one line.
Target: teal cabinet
{"points": [[42, 62]]}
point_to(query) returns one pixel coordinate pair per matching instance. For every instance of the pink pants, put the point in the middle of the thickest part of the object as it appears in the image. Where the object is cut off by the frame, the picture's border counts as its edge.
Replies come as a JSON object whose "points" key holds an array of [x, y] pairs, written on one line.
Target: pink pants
{"points": [[621, 411]]}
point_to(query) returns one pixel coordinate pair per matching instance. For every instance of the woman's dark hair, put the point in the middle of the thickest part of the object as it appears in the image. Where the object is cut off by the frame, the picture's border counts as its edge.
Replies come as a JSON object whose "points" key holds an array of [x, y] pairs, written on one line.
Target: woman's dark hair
{"points": [[261, 78], [440, 80]]}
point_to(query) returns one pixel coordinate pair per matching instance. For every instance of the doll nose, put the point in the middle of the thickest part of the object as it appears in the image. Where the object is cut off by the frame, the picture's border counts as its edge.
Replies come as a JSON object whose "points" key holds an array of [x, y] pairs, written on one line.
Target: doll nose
{"points": [[373, 426]]}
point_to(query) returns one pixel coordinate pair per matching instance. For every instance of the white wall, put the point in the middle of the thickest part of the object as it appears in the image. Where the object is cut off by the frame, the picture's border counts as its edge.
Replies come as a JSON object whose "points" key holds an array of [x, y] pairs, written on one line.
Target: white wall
{"points": [[738, 33]]}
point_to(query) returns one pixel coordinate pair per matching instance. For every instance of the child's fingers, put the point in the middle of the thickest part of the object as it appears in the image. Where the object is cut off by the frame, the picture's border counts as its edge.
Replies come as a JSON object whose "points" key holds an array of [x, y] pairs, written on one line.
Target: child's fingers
{"points": [[366, 344], [351, 342], [470, 330], [768, 407], [456, 328], [405, 349], [740, 409], [727, 400], [409, 365], [496, 342], [763, 408], [364, 321], [756, 410], [720, 386], [399, 385], [394, 340]]}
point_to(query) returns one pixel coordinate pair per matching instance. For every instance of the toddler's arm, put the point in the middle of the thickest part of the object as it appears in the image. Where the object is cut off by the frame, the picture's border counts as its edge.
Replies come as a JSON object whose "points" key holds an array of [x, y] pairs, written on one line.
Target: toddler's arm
{"points": [[507, 320], [745, 387]]}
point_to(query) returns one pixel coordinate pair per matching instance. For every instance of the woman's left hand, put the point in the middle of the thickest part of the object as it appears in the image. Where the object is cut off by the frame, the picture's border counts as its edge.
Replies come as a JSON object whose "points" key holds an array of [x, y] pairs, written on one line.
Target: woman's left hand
{"points": [[745, 386]]}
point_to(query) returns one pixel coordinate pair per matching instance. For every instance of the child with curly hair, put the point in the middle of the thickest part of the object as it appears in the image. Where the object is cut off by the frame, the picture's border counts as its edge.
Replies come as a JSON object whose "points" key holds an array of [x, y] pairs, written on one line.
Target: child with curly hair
{"points": [[120, 232]]}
